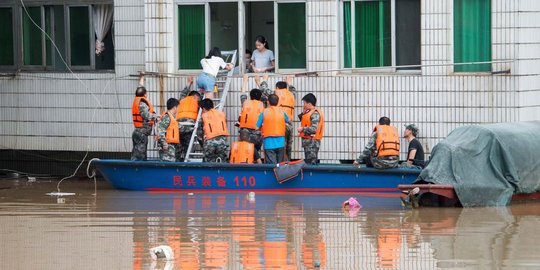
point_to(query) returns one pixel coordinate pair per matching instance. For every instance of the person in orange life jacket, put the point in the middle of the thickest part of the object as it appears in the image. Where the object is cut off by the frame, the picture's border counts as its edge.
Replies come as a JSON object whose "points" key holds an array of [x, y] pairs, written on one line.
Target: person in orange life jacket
{"points": [[272, 121], [415, 153], [188, 109], [382, 149], [143, 115], [244, 151], [213, 128], [251, 109], [168, 136], [311, 130]]}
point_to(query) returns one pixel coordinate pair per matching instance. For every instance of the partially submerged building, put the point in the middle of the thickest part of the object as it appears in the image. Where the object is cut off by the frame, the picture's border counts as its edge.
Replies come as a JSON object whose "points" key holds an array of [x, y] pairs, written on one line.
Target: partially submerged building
{"points": [[437, 63]]}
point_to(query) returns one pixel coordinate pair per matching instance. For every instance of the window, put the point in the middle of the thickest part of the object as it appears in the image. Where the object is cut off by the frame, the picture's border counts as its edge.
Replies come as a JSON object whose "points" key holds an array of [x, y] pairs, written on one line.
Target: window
{"points": [[472, 35], [47, 35], [215, 24], [368, 39], [6, 32]]}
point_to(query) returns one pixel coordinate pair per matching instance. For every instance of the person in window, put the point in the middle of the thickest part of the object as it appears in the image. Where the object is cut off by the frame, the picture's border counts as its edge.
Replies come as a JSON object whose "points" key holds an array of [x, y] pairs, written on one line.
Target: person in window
{"points": [[143, 115], [382, 149], [211, 65], [168, 136], [415, 155], [272, 122], [263, 58]]}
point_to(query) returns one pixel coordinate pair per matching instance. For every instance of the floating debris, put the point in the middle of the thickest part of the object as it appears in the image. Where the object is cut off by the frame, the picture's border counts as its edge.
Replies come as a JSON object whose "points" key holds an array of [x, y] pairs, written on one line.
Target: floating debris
{"points": [[60, 194], [162, 252]]}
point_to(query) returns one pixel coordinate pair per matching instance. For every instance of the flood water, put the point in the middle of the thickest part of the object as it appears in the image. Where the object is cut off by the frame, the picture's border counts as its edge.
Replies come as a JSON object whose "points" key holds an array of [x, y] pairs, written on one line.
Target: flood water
{"points": [[115, 230]]}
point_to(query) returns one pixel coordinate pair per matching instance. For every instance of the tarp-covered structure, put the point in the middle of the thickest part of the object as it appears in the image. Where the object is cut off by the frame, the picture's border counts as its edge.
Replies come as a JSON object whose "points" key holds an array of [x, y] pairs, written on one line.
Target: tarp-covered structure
{"points": [[487, 164]]}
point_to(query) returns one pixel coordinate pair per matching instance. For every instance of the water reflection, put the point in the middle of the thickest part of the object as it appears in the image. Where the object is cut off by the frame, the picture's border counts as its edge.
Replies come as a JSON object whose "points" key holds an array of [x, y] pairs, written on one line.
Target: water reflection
{"points": [[270, 231]]}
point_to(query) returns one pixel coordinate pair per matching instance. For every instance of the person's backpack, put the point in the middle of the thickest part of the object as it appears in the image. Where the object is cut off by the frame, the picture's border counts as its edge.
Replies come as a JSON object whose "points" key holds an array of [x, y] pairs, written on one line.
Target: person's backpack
{"points": [[286, 171]]}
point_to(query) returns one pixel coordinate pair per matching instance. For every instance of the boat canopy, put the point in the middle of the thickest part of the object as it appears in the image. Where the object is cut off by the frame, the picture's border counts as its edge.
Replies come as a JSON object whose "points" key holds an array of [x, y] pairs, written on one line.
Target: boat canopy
{"points": [[487, 164]]}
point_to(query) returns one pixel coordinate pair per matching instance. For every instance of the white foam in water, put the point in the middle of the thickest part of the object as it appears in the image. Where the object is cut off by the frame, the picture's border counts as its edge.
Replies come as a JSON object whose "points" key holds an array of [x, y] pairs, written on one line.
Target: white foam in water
{"points": [[61, 194]]}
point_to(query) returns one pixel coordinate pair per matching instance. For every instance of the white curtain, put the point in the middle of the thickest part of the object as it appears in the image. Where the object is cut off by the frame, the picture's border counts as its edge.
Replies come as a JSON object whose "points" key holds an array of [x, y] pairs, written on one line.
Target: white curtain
{"points": [[103, 16]]}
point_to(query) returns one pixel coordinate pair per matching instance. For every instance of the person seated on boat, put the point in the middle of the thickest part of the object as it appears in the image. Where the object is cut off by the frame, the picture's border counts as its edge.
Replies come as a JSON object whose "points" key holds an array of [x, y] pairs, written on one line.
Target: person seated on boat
{"points": [[213, 128], [144, 116], [251, 109], [272, 122], [287, 100], [188, 110], [382, 149], [415, 154], [244, 151], [311, 129], [168, 137]]}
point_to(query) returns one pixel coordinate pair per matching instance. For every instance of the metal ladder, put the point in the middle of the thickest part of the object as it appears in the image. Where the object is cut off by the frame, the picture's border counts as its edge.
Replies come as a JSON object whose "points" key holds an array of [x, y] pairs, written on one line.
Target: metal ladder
{"points": [[223, 80]]}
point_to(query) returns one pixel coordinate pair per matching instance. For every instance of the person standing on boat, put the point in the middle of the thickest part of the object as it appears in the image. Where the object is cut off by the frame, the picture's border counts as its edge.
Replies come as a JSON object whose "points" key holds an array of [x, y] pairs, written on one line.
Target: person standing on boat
{"points": [[251, 109], [213, 128], [311, 129], [272, 122], [287, 100], [382, 149], [415, 154], [188, 110], [144, 116], [211, 65], [168, 136], [244, 151]]}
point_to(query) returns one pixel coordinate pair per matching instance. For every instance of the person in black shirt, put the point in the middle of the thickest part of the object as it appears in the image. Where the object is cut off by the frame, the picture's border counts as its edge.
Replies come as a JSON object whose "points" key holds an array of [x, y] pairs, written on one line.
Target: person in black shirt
{"points": [[415, 155]]}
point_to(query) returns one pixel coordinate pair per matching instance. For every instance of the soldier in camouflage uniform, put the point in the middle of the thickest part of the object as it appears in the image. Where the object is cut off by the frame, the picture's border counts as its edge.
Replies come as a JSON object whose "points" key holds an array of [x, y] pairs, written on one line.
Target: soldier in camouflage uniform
{"points": [[263, 86], [167, 150], [215, 149], [254, 134], [186, 125], [143, 115], [311, 130], [369, 154]]}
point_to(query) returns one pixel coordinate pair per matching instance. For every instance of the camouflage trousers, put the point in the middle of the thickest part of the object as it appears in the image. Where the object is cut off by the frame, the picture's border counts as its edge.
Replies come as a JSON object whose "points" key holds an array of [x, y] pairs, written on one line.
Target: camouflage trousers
{"points": [[254, 137], [383, 162], [140, 143], [216, 149], [185, 137], [406, 165], [169, 154], [311, 150], [288, 141]]}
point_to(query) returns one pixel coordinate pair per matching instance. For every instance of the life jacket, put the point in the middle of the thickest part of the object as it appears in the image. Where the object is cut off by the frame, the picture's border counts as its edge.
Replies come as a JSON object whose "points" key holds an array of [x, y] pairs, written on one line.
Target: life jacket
{"points": [[250, 113], [138, 121], [188, 108], [306, 122], [215, 124], [286, 101], [242, 152], [387, 142], [273, 122], [172, 135]]}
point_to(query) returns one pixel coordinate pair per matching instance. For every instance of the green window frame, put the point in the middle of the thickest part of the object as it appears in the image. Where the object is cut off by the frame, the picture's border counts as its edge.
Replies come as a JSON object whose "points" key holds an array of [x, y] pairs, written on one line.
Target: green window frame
{"points": [[6, 32], [191, 36], [472, 35], [79, 35], [292, 35]]}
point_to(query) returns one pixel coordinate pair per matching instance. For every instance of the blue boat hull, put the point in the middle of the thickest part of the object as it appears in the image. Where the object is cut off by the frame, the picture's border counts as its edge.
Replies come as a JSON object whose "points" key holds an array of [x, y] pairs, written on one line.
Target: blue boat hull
{"points": [[215, 177]]}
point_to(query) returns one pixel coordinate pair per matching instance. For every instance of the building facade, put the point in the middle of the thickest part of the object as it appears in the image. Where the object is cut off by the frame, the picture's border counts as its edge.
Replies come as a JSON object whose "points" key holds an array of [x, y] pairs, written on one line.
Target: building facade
{"points": [[439, 64]]}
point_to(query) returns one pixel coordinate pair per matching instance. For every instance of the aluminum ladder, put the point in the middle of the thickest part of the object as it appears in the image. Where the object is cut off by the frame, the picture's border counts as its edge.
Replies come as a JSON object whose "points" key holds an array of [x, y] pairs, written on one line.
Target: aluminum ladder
{"points": [[223, 80]]}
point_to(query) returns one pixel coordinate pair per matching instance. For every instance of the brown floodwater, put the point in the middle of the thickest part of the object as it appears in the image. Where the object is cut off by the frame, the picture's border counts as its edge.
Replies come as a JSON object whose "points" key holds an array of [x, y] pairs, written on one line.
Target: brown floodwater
{"points": [[115, 230]]}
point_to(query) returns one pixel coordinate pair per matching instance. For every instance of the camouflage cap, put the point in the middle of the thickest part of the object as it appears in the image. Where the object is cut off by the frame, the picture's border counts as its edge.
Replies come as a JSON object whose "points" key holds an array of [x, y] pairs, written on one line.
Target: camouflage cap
{"points": [[412, 127]]}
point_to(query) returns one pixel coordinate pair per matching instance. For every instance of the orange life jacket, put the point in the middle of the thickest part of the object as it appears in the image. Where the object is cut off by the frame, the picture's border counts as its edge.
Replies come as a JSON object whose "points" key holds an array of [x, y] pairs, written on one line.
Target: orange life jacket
{"points": [[242, 152], [387, 142], [273, 122], [188, 108], [306, 122], [214, 123], [286, 102], [172, 135], [250, 113], [137, 118]]}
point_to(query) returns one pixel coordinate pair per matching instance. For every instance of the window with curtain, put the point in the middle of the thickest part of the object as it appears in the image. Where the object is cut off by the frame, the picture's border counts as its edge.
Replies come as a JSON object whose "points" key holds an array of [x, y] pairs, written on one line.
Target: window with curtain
{"points": [[6, 32], [292, 35], [373, 41], [191, 36], [472, 35], [347, 35]]}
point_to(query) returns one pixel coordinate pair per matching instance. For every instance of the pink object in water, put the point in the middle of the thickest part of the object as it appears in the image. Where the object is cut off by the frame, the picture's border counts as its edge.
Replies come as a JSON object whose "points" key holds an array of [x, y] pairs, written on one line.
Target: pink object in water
{"points": [[352, 203]]}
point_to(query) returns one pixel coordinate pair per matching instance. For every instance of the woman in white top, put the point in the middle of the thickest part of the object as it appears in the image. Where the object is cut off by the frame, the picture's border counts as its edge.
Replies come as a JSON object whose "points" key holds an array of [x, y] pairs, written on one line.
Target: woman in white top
{"points": [[211, 65], [262, 58]]}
